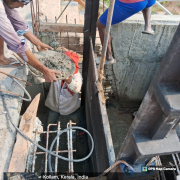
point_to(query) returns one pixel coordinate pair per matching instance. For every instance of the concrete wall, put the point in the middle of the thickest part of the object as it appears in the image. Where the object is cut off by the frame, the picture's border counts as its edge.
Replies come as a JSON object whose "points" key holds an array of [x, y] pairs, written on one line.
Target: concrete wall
{"points": [[138, 55]]}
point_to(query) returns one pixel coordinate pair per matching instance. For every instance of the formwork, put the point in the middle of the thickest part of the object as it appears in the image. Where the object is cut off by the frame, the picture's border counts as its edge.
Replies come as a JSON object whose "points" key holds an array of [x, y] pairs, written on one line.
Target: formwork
{"points": [[81, 40]]}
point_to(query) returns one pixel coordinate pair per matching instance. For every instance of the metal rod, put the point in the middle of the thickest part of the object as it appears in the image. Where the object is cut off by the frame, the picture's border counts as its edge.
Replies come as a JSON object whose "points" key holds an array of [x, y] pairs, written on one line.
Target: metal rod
{"points": [[68, 143], [8, 92], [18, 59], [160, 164], [16, 78], [103, 4], [178, 158], [173, 171], [71, 148], [67, 32], [163, 8], [57, 147], [177, 168], [64, 151], [63, 11], [34, 154], [47, 141], [106, 39]]}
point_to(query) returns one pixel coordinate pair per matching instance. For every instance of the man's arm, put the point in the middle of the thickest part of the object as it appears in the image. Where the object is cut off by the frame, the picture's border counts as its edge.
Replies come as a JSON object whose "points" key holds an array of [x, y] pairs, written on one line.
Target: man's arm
{"points": [[74, 82], [19, 24], [14, 43], [49, 74], [33, 39]]}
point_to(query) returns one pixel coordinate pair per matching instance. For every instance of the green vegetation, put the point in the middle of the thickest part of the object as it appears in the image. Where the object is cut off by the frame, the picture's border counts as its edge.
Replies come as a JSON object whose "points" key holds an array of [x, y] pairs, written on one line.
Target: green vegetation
{"points": [[155, 9], [164, 3]]}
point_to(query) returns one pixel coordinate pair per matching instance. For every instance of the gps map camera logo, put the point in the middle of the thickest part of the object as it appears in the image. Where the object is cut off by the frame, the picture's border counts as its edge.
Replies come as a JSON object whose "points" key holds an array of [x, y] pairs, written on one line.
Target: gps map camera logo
{"points": [[144, 169]]}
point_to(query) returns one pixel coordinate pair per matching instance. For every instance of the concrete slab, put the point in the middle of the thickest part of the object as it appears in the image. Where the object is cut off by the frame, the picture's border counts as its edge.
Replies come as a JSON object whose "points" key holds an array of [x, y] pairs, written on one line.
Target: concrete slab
{"points": [[7, 132]]}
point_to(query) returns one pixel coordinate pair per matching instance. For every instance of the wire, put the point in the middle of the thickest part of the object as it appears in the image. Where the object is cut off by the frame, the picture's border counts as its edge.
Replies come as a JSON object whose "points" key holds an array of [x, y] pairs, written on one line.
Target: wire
{"points": [[29, 97], [42, 148]]}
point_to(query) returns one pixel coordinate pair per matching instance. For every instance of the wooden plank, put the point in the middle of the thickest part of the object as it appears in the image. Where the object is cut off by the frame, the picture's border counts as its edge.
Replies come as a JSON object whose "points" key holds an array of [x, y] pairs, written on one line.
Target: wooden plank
{"points": [[61, 27], [20, 151]]}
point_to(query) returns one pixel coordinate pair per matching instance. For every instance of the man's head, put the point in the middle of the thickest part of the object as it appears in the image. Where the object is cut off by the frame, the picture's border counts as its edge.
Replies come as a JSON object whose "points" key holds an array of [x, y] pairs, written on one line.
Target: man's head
{"points": [[16, 3]]}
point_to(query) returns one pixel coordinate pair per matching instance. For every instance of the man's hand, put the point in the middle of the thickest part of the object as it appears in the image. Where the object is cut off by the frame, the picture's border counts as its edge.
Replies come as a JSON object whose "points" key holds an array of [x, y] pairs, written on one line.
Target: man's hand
{"points": [[33, 39], [69, 79], [50, 75], [43, 47]]}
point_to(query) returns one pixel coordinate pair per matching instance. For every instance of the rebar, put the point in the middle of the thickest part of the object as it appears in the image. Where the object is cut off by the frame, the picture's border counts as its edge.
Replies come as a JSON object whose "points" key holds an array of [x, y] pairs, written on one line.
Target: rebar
{"points": [[47, 141], [177, 168], [57, 147], [34, 154]]}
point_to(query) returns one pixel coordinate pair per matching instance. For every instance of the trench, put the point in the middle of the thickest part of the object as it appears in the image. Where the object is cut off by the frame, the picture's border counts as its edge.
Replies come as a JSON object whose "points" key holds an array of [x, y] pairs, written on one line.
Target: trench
{"points": [[82, 149]]}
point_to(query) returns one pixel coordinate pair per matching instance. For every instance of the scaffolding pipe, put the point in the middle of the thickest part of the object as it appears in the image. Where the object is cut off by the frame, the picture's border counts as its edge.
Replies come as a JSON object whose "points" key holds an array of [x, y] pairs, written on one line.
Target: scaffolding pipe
{"points": [[163, 8], [106, 39]]}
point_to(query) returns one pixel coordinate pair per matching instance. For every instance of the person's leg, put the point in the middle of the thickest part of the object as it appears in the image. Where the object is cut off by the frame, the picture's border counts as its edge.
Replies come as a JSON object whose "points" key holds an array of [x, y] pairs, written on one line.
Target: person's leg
{"points": [[3, 59], [147, 19], [147, 16], [121, 12], [101, 29], [52, 118], [77, 117]]}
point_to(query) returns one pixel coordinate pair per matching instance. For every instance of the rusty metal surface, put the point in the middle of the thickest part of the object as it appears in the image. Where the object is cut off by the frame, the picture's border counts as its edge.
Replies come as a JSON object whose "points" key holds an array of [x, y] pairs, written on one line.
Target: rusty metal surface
{"points": [[95, 121]]}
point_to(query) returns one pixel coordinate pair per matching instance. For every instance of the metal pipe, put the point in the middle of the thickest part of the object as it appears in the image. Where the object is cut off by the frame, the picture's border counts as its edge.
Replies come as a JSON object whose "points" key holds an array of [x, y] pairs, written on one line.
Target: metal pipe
{"points": [[19, 59], [47, 141], [57, 147], [177, 168], [178, 158], [34, 154], [163, 8], [71, 148], [63, 11], [106, 39], [16, 78], [68, 143], [103, 4], [64, 151]]}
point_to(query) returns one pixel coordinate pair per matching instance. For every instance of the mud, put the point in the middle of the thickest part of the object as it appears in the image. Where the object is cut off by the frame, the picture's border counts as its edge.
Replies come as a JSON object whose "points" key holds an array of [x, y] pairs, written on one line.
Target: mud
{"points": [[58, 61]]}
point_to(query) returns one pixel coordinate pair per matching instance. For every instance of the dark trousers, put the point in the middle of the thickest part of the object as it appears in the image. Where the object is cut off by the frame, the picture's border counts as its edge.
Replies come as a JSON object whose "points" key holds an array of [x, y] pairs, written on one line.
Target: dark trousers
{"points": [[76, 117]]}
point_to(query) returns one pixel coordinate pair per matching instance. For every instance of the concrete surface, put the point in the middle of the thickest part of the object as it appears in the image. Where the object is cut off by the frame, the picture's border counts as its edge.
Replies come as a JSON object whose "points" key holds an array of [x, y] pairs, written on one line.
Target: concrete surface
{"points": [[119, 124], [138, 55], [7, 132]]}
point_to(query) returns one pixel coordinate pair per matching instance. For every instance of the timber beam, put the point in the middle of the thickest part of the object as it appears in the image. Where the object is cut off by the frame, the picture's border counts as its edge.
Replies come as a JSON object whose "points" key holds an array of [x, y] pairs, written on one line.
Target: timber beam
{"points": [[61, 27]]}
